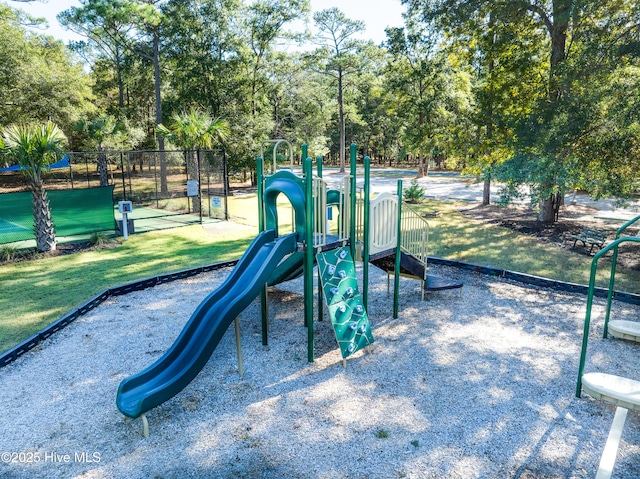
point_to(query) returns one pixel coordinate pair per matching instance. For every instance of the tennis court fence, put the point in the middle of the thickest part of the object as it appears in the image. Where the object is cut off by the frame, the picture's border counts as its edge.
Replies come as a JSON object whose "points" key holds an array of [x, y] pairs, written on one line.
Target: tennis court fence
{"points": [[167, 188]]}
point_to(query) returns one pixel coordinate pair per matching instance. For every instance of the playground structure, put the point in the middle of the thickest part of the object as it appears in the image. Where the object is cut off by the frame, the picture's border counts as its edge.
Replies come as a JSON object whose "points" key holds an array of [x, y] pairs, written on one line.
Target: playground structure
{"points": [[362, 225], [621, 391]]}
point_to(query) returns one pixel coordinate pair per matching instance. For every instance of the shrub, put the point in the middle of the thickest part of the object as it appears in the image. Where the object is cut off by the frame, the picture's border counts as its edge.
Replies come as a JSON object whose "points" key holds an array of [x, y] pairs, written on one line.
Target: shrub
{"points": [[8, 253], [415, 193], [382, 434], [100, 238]]}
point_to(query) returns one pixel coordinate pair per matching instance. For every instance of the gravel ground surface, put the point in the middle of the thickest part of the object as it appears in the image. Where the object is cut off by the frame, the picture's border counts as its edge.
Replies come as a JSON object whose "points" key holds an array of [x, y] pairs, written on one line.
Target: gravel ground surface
{"points": [[478, 386]]}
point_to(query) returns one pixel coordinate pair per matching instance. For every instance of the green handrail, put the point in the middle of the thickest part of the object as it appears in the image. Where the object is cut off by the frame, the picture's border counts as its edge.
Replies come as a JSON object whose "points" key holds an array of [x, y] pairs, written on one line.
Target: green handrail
{"points": [[352, 206], [592, 286], [614, 265], [626, 225]]}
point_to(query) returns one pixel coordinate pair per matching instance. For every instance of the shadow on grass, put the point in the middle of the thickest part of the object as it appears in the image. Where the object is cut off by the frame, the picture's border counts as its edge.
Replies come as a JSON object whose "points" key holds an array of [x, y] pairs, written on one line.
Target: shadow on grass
{"points": [[36, 293], [453, 236]]}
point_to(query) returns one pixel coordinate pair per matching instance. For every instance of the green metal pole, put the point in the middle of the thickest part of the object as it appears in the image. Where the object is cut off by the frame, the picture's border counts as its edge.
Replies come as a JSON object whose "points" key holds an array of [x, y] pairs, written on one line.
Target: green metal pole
{"points": [[612, 282], [320, 298], [264, 309], [319, 165], [308, 255], [260, 181], [305, 149], [352, 206], [587, 323], [365, 248], [396, 269]]}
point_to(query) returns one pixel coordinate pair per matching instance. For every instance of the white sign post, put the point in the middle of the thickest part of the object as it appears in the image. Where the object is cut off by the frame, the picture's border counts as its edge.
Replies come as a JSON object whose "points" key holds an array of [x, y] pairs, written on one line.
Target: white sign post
{"points": [[125, 207]]}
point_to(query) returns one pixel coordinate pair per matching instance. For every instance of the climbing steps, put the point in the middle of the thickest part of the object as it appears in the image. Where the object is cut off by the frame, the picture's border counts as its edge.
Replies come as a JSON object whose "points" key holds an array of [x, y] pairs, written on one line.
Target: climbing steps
{"points": [[621, 391], [625, 394], [412, 267], [346, 309], [625, 330]]}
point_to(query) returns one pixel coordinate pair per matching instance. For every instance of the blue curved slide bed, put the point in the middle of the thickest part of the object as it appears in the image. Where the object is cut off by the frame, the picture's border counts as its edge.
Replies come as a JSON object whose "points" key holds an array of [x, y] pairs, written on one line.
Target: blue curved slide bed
{"points": [[192, 349]]}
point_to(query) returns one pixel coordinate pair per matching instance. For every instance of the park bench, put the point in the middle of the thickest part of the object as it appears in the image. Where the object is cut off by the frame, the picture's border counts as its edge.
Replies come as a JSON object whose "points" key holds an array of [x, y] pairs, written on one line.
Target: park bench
{"points": [[590, 237]]}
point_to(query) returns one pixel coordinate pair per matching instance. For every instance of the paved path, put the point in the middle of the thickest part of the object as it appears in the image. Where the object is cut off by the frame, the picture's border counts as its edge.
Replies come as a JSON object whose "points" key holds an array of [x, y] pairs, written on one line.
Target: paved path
{"points": [[451, 186]]}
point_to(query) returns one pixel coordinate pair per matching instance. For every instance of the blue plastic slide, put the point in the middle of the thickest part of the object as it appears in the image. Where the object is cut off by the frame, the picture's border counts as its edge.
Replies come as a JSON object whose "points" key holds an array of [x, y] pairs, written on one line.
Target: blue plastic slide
{"points": [[187, 356]]}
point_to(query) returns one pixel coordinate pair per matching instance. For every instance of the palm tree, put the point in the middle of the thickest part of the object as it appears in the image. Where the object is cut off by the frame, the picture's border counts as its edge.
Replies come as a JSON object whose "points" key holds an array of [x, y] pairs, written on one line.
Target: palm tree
{"points": [[34, 147], [101, 130], [193, 130]]}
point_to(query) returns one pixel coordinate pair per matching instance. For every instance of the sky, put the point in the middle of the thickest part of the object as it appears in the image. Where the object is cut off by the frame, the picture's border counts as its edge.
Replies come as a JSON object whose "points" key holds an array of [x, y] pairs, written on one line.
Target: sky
{"points": [[385, 13]]}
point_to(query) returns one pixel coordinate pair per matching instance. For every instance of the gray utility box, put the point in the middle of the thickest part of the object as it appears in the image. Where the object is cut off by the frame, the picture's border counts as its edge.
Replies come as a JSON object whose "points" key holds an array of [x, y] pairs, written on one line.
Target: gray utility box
{"points": [[130, 228]]}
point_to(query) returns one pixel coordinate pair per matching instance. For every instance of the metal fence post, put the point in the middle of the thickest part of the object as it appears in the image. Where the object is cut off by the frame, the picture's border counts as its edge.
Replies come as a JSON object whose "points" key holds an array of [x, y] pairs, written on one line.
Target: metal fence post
{"points": [[124, 185], [225, 182], [199, 183], [155, 176]]}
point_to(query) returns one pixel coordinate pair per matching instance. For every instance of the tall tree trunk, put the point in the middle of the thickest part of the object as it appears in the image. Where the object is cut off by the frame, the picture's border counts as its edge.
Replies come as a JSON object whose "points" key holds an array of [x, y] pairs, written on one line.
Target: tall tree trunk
{"points": [[342, 127], [102, 167], [558, 32], [43, 225], [420, 163], [120, 81], [486, 191], [164, 189], [193, 168]]}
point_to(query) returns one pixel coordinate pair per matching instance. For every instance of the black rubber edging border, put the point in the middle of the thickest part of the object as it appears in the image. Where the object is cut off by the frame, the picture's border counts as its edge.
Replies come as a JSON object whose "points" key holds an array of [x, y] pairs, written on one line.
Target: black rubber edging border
{"points": [[30, 343], [623, 296]]}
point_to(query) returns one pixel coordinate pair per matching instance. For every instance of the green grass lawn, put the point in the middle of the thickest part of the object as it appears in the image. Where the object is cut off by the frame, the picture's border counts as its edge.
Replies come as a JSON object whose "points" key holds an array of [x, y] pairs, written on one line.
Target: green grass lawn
{"points": [[454, 236], [38, 292]]}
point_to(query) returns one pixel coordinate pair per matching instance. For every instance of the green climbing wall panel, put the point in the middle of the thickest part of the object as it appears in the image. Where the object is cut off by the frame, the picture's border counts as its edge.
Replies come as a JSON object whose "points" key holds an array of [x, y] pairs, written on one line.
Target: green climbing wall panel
{"points": [[340, 288]]}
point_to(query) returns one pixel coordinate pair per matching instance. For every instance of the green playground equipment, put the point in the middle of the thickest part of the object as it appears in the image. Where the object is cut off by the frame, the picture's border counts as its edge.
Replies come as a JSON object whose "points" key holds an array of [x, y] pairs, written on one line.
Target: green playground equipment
{"points": [[629, 330], [397, 242], [621, 391], [312, 203], [378, 229], [363, 226]]}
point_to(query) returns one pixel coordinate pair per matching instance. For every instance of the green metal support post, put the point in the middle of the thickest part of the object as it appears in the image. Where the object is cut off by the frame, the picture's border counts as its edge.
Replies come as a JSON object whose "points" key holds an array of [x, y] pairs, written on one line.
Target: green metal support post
{"points": [[396, 269], [308, 255], [261, 226], [352, 206], [612, 284], [365, 246], [320, 297]]}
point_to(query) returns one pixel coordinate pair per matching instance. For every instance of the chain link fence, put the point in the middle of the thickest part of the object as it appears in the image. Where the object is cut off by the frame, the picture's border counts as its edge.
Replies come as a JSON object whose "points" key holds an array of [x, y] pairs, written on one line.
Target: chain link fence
{"points": [[167, 188]]}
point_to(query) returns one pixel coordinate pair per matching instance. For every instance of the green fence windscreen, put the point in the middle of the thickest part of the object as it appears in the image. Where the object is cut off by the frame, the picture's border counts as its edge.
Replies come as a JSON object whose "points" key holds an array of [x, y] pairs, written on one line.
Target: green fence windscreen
{"points": [[73, 212]]}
